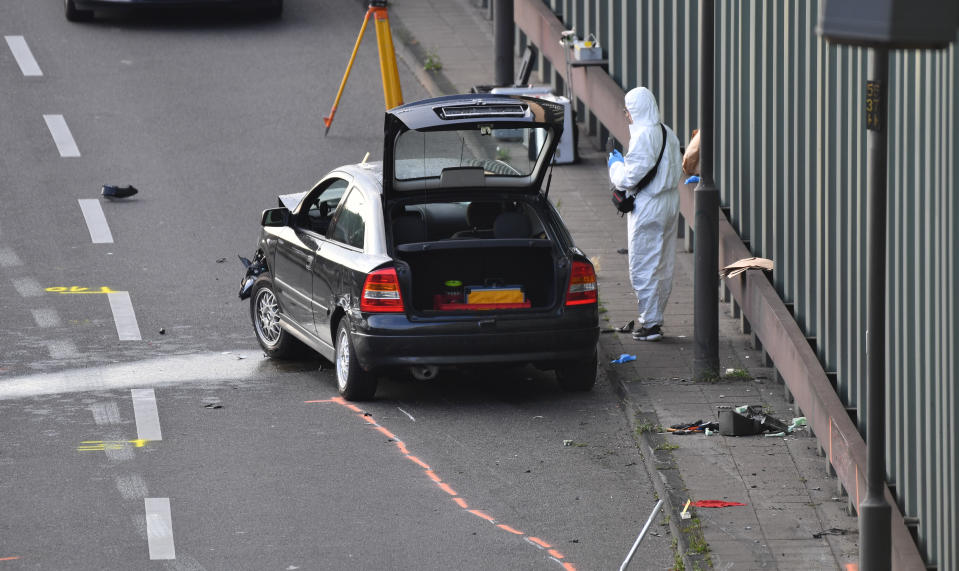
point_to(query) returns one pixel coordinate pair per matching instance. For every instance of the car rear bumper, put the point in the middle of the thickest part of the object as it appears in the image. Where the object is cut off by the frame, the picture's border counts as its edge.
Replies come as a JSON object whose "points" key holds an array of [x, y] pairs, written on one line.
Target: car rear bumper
{"points": [[450, 344]]}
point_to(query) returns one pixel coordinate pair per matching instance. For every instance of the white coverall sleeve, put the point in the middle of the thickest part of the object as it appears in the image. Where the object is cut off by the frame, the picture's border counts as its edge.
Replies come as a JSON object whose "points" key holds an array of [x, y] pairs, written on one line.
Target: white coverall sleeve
{"points": [[641, 157]]}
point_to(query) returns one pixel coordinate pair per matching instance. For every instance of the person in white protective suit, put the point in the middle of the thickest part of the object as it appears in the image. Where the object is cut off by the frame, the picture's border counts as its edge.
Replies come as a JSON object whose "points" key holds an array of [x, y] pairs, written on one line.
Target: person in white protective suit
{"points": [[653, 222]]}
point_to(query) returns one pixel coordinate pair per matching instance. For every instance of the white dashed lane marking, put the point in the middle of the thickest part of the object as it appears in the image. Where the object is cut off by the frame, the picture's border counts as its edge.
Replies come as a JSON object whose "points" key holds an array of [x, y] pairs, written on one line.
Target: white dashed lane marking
{"points": [[145, 412], [159, 528], [96, 221], [123, 316], [62, 349], [46, 317], [62, 136], [9, 258], [27, 287], [23, 55]]}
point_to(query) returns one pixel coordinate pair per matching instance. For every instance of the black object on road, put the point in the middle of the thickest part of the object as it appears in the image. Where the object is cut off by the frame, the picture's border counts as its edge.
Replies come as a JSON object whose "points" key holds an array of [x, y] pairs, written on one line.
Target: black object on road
{"points": [[114, 192]]}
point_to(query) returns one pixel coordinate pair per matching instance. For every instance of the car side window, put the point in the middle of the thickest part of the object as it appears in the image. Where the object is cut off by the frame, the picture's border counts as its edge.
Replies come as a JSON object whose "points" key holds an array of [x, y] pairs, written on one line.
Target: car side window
{"points": [[349, 226], [320, 207]]}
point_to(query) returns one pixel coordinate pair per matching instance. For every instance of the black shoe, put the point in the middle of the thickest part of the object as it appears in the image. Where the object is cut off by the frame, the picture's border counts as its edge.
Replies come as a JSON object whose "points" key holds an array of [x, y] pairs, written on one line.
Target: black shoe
{"points": [[653, 333]]}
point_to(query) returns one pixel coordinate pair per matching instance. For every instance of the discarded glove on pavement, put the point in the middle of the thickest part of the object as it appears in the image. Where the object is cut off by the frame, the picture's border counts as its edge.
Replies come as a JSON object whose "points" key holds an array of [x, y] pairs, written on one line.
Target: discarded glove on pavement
{"points": [[114, 192], [624, 358]]}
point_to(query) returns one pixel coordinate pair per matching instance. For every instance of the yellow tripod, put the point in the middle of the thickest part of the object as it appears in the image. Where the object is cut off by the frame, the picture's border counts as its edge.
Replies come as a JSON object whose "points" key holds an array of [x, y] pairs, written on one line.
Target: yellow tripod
{"points": [[392, 92]]}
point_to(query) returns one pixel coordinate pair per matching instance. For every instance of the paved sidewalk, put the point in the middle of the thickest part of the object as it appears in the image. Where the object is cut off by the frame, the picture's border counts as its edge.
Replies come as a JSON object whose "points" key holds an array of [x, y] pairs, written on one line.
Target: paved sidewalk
{"points": [[790, 499]]}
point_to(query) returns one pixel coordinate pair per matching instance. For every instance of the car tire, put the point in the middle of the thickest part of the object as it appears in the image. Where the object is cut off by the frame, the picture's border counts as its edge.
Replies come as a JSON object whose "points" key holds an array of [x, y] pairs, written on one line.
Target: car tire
{"points": [[352, 382], [578, 375], [73, 14], [276, 342]]}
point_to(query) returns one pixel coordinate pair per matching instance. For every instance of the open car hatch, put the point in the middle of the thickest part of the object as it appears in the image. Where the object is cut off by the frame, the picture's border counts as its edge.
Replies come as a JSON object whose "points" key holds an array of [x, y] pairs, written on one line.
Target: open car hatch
{"points": [[475, 142]]}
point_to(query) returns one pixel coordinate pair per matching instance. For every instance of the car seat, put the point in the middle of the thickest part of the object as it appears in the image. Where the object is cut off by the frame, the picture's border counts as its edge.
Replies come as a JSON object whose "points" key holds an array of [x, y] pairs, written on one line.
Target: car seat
{"points": [[480, 216], [409, 228], [512, 224]]}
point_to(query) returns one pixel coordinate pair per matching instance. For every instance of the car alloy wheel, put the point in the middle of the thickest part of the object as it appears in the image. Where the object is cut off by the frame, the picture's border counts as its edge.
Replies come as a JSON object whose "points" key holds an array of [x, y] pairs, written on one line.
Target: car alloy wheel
{"points": [[352, 382], [265, 314], [267, 320]]}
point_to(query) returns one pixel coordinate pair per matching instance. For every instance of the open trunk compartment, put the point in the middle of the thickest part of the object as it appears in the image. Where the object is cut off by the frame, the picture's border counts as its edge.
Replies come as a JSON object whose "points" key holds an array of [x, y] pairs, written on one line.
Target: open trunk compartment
{"points": [[528, 264]]}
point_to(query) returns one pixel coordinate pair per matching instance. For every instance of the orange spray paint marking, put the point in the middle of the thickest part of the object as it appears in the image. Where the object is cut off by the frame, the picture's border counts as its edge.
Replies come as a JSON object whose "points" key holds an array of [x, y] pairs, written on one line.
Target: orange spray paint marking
{"points": [[446, 488], [386, 432], [14, 558], [480, 514], [538, 542], [418, 462]]}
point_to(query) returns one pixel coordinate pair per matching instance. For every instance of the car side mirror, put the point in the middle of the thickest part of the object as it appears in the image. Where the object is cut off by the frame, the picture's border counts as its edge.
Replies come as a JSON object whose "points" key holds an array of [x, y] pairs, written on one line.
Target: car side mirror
{"points": [[275, 217]]}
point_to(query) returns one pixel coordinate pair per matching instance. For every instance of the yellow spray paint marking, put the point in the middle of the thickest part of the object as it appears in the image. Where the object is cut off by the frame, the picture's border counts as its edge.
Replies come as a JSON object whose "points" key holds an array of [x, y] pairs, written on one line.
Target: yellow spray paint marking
{"points": [[100, 445], [78, 289]]}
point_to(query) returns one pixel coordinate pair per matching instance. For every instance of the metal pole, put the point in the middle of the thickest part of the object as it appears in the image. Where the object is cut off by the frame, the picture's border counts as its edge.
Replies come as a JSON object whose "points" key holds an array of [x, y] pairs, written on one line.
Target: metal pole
{"points": [[642, 534], [874, 512], [503, 42], [706, 221]]}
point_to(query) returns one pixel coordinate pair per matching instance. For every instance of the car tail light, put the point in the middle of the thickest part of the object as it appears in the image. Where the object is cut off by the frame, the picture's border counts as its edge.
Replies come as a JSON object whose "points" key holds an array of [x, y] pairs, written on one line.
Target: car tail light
{"points": [[381, 292], [582, 284]]}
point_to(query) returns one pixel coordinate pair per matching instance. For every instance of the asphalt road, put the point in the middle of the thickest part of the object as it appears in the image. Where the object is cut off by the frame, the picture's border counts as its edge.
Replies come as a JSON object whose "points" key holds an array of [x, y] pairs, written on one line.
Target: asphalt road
{"points": [[142, 427]]}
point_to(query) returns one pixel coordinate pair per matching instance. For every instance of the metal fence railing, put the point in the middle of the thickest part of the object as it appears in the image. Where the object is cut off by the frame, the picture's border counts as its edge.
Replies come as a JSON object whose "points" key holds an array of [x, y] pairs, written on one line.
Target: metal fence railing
{"points": [[791, 166]]}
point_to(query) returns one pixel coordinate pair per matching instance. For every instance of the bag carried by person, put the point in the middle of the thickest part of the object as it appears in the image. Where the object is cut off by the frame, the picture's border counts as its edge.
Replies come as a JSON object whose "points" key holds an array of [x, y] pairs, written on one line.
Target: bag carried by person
{"points": [[621, 199]]}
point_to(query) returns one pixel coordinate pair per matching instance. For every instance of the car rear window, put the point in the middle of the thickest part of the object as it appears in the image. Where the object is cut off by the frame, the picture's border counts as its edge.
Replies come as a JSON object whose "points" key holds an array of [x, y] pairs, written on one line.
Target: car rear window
{"points": [[509, 152]]}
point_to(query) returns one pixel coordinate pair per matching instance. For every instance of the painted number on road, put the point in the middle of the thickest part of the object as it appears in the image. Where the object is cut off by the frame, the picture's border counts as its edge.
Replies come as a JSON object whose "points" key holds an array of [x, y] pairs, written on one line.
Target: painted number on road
{"points": [[78, 289], [100, 445]]}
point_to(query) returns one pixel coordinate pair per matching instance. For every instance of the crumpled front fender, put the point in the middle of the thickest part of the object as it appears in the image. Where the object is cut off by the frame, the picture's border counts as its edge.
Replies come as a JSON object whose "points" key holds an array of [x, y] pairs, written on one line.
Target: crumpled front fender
{"points": [[254, 268]]}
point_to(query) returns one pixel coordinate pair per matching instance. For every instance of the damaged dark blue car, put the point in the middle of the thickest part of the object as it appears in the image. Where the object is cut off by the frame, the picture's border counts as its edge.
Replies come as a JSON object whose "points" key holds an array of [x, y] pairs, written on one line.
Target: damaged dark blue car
{"points": [[447, 253]]}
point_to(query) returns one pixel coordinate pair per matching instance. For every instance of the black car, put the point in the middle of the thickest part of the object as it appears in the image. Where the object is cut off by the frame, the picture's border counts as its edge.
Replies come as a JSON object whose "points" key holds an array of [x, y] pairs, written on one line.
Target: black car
{"points": [[83, 10], [446, 253]]}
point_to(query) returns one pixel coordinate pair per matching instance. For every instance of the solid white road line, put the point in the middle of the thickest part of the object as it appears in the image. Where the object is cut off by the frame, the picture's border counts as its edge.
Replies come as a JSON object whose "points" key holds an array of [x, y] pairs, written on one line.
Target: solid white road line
{"points": [[21, 52], [62, 136], [159, 528], [96, 221], [123, 316], [145, 412]]}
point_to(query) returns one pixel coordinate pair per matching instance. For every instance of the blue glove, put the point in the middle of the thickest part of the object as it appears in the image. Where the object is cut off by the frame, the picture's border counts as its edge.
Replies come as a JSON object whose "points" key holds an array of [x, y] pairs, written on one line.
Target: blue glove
{"points": [[692, 179], [624, 358], [615, 156]]}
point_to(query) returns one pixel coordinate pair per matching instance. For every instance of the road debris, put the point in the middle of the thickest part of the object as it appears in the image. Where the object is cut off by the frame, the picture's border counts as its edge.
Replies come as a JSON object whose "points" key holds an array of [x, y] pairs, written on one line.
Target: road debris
{"points": [[715, 504], [624, 358], [115, 192]]}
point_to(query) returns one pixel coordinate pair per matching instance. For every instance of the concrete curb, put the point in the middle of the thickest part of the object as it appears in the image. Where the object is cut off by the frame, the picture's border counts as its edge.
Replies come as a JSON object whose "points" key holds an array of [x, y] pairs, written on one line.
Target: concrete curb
{"points": [[659, 461]]}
